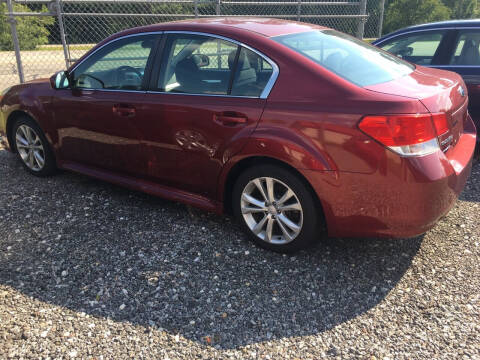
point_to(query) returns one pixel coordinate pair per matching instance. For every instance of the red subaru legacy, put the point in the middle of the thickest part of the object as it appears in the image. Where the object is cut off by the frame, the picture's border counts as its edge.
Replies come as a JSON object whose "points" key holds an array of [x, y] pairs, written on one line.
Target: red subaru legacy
{"points": [[295, 129]]}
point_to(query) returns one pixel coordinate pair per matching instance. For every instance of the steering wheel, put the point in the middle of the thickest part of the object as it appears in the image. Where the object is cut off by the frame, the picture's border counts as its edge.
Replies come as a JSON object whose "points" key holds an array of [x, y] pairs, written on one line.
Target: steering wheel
{"points": [[122, 72]]}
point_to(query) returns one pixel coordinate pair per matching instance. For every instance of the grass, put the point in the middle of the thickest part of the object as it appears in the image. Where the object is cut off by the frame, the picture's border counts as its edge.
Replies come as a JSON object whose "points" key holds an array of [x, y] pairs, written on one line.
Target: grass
{"points": [[60, 47]]}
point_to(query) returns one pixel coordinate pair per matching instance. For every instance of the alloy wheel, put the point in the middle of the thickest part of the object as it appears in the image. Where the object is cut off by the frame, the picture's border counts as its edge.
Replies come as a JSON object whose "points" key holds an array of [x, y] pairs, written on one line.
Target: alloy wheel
{"points": [[271, 210], [30, 148]]}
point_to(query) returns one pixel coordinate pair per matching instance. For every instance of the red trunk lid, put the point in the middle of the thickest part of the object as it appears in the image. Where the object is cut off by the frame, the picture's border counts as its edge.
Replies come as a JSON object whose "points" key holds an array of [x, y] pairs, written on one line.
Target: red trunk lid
{"points": [[440, 92]]}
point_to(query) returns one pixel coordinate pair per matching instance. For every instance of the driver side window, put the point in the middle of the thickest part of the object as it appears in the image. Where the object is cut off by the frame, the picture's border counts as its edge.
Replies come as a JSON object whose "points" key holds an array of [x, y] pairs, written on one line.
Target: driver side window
{"points": [[119, 65], [419, 48]]}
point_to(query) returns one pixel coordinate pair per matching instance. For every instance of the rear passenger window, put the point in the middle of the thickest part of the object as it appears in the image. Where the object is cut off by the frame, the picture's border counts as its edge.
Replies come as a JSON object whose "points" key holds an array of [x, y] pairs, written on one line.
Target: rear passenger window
{"points": [[197, 64], [206, 65], [467, 49], [251, 74]]}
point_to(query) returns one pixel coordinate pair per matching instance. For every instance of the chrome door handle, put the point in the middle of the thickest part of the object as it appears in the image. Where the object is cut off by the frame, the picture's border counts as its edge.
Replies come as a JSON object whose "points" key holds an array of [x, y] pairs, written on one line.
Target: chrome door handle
{"points": [[230, 120], [123, 110]]}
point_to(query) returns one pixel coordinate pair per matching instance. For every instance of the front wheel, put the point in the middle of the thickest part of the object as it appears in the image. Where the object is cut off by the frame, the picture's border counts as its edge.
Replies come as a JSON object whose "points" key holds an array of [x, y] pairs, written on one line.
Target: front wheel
{"points": [[276, 208], [33, 148]]}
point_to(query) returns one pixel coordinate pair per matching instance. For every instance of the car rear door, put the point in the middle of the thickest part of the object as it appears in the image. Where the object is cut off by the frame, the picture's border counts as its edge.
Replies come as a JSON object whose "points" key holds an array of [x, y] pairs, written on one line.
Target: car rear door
{"points": [[96, 118], [206, 96]]}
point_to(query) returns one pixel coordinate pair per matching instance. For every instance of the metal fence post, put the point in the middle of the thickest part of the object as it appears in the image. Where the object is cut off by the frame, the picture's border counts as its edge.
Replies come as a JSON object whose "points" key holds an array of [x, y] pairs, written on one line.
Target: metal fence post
{"points": [[62, 32], [16, 45], [380, 20], [219, 47], [299, 9], [361, 21], [195, 4]]}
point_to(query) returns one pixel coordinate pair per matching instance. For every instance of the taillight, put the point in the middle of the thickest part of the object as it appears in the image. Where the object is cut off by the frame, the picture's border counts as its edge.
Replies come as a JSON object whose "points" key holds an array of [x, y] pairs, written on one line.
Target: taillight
{"points": [[407, 135], [441, 123]]}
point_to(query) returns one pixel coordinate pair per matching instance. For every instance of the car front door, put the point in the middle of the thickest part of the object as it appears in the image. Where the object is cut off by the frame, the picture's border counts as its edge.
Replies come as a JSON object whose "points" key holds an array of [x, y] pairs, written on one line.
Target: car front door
{"points": [[207, 95], [464, 59], [96, 117]]}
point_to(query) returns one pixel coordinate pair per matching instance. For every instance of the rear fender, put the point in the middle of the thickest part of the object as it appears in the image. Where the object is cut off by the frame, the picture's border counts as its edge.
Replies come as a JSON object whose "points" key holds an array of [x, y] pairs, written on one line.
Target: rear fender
{"points": [[289, 147], [281, 146]]}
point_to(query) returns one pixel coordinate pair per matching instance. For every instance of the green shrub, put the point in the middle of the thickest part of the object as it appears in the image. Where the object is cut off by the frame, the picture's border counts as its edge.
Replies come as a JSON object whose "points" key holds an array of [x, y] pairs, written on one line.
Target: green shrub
{"points": [[32, 30]]}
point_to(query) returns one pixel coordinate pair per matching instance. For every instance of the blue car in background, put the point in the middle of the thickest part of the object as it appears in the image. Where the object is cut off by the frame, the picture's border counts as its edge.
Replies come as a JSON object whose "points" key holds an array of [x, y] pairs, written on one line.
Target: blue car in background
{"points": [[449, 45]]}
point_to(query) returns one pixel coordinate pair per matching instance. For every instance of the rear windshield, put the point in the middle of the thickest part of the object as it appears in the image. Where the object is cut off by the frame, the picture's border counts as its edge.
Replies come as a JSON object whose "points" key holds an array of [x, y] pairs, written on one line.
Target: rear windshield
{"points": [[348, 57]]}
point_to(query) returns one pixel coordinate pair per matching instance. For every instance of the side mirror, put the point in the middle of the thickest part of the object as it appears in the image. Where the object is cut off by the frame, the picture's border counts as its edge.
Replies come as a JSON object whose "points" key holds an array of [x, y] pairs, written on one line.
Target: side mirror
{"points": [[201, 60], [405, 52], [60, 80]]}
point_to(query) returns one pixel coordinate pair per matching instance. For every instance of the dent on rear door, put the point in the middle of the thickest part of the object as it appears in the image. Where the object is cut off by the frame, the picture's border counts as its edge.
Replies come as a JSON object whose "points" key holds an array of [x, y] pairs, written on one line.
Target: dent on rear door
{"points": [[188, 145]]}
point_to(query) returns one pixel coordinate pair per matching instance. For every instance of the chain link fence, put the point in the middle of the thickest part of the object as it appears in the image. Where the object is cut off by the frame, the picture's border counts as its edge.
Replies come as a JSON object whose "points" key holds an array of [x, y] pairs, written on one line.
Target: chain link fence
{"points": [[40, 37]]}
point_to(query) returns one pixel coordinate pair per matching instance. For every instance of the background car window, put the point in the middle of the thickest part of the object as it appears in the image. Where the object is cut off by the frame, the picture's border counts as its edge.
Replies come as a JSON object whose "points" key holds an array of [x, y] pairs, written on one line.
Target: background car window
{"points": [[467, 49], [119, 65], [349, 58], [418, 48], [251, 74], [197, 65]]}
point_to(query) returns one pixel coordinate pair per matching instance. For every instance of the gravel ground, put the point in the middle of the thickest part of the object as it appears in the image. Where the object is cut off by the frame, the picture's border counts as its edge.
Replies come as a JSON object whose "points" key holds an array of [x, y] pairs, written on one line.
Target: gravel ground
{"points": [[91, 270]]}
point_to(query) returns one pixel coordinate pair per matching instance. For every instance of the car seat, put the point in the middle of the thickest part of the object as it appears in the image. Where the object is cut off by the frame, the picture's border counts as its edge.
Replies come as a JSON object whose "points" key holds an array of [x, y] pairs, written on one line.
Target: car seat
{"points": [[470, 54], [245, 75], [188, 75]]}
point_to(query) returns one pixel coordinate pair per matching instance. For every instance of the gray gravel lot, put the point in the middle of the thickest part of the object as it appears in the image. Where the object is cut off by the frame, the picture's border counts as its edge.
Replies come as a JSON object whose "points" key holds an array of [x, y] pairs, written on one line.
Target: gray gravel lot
{"points": [[91, 270]]}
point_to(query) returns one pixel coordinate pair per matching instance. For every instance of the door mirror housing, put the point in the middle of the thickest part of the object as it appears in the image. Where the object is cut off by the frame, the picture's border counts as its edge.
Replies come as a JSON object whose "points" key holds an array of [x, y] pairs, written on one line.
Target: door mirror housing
{"points": [[60, 80], [201, 60], [405, 52]]}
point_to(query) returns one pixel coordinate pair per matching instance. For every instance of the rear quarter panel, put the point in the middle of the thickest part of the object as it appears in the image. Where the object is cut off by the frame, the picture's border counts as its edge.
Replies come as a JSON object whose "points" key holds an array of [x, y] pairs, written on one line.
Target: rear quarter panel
{"points": [[310, 122], [311, 119]]}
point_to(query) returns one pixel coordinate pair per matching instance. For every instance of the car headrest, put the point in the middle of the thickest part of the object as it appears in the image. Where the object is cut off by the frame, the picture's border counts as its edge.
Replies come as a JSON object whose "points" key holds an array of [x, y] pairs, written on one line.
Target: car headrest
{"points": [[334, 61], [245, 74], [470, 54], [186, 71], [243, 63]]}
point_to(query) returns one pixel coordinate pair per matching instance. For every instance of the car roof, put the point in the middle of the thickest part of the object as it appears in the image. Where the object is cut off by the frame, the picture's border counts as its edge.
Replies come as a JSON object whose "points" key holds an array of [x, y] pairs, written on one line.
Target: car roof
{"points": [[435, 25], [264, 26]]}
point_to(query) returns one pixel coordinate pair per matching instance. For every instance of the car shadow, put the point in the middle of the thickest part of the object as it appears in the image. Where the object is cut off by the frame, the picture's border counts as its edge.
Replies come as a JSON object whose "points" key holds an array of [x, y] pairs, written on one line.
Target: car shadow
{"points": [[471, 193], [96, 248]]}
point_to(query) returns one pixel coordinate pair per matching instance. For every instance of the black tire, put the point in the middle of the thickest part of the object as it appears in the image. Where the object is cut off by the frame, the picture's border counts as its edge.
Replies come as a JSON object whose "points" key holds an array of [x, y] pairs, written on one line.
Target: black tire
{"points": [[313, 221], [49, 166]]}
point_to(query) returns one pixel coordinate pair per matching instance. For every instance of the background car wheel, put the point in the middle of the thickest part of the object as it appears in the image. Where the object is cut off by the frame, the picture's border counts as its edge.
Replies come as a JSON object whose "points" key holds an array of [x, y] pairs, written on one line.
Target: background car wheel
{"points": [[276, 208], [33, 148]]}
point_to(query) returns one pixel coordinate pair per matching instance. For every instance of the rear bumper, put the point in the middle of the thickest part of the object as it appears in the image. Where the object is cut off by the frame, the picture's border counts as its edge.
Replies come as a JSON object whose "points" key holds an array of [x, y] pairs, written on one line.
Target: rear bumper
{"points": [[404, 197]]}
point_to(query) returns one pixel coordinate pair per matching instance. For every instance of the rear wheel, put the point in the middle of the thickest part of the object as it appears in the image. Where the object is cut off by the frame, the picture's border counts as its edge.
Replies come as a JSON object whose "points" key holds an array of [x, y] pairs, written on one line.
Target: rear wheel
{"points": [[32, 147], [276, 209]]}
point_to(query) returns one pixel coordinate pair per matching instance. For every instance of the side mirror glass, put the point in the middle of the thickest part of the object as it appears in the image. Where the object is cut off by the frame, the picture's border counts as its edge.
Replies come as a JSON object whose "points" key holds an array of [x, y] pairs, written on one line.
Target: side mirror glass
{"points": [[201, 60], [60, 80], [405, 52]]}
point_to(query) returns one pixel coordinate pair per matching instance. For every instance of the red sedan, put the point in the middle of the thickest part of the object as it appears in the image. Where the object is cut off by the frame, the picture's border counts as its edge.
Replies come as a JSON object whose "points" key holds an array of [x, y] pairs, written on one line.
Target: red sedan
{"points": [[294, 128]]}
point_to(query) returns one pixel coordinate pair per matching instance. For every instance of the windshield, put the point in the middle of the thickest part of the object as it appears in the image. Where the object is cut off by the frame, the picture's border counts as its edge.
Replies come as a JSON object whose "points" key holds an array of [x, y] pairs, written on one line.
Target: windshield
{"points": [[348, 57]]}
